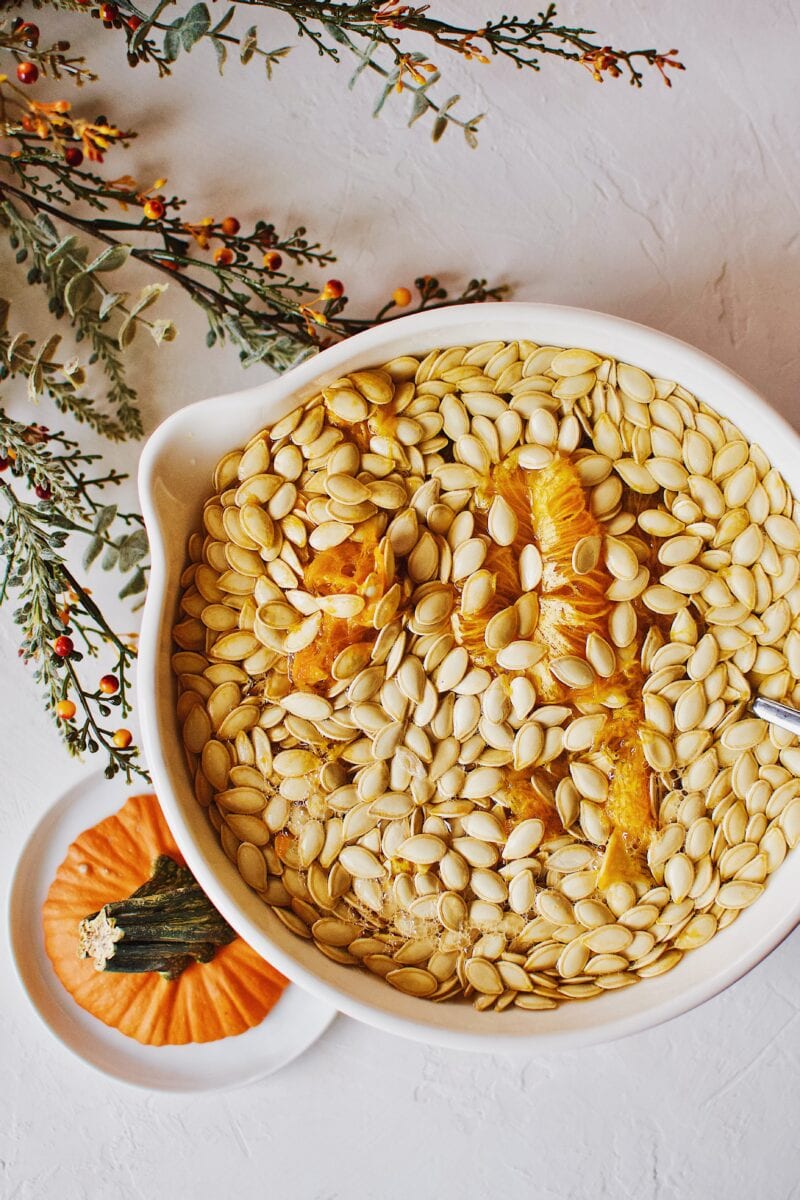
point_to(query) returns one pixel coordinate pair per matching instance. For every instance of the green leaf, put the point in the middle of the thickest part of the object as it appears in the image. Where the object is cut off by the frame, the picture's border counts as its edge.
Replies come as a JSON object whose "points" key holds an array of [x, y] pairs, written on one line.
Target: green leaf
{"points": [[105, 518], [249, 45], [132, 548], [224, 22], [109, 302], [110, 558], [36, 373], [91, 552], [363, 63], [385, 93], [147, 296], [221, 51], [48, 348], [172, 40], [111, 259], [336, 33], [196, 25], [135, 585], [43, 222], [63, 247], [126, 334], [420, 106], [163, 331], [35, 383], [78, 292]]}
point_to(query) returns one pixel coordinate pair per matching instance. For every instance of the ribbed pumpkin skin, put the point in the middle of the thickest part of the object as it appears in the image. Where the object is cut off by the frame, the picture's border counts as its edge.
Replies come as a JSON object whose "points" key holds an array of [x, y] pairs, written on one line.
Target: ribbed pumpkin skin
{"points": [[207, 1001]]}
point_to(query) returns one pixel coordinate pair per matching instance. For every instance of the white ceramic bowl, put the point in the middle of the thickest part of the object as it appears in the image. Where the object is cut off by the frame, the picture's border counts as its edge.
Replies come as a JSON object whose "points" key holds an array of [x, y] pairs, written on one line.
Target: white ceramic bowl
{"points": [[174, 480]]}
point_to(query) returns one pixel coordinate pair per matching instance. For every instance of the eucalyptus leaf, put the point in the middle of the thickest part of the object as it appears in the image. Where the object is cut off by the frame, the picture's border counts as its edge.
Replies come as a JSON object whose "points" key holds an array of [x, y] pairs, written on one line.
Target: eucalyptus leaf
{"points": [[163, 331], [126, 333], [249, 45], [46, 225], [147, 296], [110, 302], [111, 259], [135, 585], [109, 560], [77, 293], [91, 552], [132, 548], [172, 40], [63, 247], [224, 22], [419, 107], [363, 63], [105, 518], [196, 25], [439, 128], [221, 51], [383, 96]]}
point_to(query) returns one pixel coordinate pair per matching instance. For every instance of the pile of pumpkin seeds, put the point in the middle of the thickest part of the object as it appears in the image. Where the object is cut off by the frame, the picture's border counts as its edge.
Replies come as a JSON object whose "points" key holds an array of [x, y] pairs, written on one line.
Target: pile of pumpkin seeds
{"points": [[370, 813]]}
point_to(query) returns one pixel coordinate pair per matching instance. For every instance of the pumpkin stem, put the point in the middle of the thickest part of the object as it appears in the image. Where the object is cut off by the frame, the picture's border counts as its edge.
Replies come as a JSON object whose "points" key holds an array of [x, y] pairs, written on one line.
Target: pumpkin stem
{"points": [[165, 925]]}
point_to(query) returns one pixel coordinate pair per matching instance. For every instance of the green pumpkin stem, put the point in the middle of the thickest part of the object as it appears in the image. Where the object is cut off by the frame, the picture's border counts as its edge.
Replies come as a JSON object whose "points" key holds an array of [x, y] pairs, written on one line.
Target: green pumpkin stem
{"points": [[165, 925]]}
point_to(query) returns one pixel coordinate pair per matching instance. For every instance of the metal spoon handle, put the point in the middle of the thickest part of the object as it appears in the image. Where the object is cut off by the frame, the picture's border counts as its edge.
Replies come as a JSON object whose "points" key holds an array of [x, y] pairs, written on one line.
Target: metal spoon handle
{"points": [[777, 714]]}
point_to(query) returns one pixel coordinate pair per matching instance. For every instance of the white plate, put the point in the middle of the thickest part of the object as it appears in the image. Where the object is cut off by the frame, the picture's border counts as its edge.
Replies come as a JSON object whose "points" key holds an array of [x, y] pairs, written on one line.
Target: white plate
{"points": [[297, 1020]]}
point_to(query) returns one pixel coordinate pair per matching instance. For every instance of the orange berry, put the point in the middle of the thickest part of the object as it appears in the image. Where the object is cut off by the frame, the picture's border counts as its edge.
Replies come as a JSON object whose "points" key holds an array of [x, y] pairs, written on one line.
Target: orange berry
{"points": [[401, 297], [223, 255], [333, 290], [230, 226], [122, 739], [109, 684], [154, 208], [65, 710], [272, 260]]}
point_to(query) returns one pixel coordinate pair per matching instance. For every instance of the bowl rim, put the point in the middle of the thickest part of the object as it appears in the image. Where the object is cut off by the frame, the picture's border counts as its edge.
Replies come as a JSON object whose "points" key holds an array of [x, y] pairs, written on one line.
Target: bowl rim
{"points": [[588, 325]]}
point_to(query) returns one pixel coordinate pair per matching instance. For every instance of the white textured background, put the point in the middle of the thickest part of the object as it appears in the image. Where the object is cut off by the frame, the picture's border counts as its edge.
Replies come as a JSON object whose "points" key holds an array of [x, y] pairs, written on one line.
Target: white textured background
{"points": [[676, 208]]}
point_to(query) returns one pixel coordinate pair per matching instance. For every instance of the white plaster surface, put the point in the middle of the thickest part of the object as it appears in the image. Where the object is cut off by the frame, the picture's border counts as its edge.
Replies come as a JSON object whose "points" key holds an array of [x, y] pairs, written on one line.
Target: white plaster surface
{"points": [[677, 208]]}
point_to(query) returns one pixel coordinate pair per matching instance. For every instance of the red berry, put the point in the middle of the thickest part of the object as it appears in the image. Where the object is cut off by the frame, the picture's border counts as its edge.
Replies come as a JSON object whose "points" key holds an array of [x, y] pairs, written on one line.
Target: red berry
{"points": [[27, 72], [29, 32], [65, 710], [223, 255], [108, 12], [401, 296], [63, 646], [122, 739], [5, 463], [73, 156], [230, 226], [333, 290], [272, 260], [42, 490], [133, 23], [109, 684]]}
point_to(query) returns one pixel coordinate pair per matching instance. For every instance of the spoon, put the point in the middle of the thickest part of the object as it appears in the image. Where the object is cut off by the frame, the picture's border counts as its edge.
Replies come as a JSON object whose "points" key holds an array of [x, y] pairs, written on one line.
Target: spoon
{"points": [[777, 714]]}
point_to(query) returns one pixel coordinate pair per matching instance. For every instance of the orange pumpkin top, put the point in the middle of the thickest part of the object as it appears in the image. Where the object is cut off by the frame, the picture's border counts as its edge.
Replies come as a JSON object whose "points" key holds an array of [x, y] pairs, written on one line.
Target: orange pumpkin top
{"points": [[207, 1001]]}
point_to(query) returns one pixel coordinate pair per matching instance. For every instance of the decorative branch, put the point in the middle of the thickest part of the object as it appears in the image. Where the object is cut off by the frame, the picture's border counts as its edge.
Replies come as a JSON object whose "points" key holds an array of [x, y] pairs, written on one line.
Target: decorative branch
{"points": [[375, 32]]}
